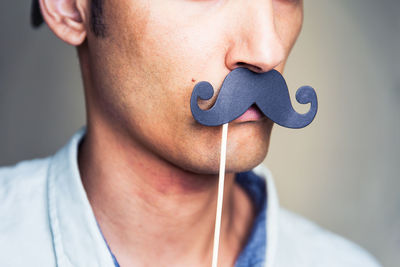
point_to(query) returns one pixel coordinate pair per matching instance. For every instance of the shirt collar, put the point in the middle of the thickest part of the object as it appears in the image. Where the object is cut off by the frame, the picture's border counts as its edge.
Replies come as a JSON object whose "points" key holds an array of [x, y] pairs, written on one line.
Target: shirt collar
{"points": [[76, 237]]}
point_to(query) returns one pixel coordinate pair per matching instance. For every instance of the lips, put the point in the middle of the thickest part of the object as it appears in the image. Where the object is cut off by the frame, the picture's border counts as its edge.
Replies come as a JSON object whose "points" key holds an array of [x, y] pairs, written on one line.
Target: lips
{"points": [[252, 114]]}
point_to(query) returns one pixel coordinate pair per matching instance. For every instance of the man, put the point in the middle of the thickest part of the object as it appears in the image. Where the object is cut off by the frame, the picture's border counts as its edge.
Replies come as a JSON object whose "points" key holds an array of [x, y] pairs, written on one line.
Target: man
{"points": [[138, 185]]}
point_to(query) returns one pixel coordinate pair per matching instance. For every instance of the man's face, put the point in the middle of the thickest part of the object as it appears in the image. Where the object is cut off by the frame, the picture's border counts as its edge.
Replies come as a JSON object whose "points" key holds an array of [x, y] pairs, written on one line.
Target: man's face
{"points": [[155, 51]]}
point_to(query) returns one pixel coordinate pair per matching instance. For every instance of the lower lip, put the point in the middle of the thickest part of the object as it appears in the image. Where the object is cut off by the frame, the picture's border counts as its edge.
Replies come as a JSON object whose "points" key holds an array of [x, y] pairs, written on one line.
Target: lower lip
{"points": [[252, 114]]}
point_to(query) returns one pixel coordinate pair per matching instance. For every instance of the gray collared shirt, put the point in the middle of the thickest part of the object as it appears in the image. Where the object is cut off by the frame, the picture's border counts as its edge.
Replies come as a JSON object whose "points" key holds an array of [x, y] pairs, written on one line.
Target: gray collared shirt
{"points": [[47, 220]]}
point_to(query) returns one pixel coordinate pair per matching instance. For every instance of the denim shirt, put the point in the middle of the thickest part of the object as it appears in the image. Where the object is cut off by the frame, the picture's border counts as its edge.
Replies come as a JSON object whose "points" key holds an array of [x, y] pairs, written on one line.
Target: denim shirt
{"points": [[46, 220], [253, 253]]}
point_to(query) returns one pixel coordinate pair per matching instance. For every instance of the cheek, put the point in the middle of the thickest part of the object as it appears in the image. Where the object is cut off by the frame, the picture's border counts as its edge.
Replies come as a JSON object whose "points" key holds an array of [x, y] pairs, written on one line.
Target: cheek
{"points": [[174, 65], [288, 29], [288, 21], [162, 54]]}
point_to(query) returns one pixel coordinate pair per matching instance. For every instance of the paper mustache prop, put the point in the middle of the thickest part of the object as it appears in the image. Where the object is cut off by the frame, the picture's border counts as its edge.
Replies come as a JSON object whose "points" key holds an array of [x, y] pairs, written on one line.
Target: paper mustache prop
{"points": [[240, 90], [243, 88]]}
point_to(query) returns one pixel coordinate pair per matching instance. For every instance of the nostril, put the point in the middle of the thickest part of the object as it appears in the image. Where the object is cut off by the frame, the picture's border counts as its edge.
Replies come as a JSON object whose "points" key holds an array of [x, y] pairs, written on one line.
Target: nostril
{"points": [[250, 67], [255, 69]]}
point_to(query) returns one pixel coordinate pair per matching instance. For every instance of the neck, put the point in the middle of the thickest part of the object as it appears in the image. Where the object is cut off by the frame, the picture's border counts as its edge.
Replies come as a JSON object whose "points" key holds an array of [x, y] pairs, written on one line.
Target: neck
{"points": [[146, 206]]}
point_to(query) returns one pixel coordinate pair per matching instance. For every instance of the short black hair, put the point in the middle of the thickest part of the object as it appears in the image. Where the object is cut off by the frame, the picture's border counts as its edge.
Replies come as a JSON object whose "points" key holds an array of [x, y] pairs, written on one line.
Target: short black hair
{"points": [[96, 17], [36, 15]]}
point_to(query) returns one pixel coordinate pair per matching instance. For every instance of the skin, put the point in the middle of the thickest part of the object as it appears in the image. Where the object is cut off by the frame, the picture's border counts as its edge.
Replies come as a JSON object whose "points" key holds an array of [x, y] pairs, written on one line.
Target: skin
{"points": [[149, 170]]}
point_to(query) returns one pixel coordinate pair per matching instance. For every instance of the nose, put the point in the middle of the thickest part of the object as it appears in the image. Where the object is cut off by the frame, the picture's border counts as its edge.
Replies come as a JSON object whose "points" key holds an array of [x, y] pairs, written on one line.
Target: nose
{"points": [[254, 42]]}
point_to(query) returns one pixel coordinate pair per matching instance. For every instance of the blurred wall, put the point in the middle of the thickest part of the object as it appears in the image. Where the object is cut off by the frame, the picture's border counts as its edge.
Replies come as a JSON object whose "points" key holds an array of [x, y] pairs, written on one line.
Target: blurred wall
{"points": [[342, 171]]}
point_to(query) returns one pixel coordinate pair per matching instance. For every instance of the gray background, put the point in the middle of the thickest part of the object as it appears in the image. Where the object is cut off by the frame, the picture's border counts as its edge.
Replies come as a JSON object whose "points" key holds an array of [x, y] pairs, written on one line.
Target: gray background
{"points": [[342, 171]]}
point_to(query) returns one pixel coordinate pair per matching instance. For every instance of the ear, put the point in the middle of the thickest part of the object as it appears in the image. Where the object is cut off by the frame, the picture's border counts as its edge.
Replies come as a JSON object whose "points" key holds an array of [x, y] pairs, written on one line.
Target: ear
{"points": [[66, 18]]}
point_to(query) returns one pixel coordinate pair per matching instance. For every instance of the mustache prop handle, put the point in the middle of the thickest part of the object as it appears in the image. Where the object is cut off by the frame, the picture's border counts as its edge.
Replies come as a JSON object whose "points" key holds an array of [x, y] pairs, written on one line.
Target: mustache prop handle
{"points": [[221, 182]]}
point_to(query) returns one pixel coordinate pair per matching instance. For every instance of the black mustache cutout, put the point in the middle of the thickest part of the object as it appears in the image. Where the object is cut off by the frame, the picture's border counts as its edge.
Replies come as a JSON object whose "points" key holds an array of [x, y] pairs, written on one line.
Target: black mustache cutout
{"points": [[243, 88]]}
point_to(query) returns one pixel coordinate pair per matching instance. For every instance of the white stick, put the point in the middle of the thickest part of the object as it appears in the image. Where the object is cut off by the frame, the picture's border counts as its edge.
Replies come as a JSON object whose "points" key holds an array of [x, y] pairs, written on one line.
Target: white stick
{"points": [[220, 194]]}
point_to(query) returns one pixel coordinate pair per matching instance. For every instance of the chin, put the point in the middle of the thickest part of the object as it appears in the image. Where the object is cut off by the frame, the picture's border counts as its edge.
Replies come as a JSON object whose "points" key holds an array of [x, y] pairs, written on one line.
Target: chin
{"points": [[247, 147], [236, 161], [246, 159]]}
